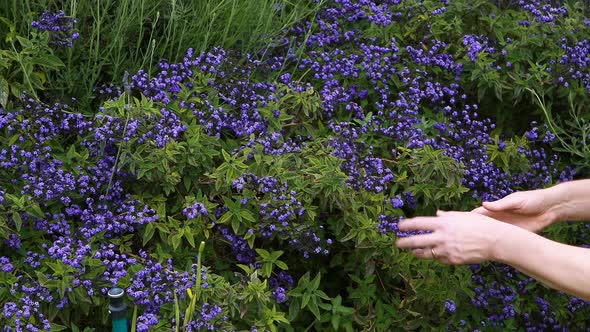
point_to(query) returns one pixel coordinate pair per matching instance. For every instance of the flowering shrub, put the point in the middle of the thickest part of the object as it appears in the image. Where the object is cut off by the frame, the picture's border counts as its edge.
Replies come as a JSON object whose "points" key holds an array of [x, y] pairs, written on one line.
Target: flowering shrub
{"points": [[293, 168]]}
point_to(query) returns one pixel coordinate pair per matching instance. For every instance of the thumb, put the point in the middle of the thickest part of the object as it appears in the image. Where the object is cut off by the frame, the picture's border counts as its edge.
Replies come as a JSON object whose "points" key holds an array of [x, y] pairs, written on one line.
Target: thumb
{"points": [[510, 202]]}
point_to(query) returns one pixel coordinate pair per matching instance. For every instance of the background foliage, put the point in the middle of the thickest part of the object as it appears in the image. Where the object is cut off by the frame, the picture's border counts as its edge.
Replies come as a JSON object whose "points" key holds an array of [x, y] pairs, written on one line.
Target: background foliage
{"points": [[242, 165]]}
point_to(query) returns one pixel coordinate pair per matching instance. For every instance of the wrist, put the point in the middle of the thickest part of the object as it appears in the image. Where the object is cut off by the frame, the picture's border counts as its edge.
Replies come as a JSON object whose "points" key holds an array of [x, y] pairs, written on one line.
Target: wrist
{"points": [[557, 199], [501, 240]]}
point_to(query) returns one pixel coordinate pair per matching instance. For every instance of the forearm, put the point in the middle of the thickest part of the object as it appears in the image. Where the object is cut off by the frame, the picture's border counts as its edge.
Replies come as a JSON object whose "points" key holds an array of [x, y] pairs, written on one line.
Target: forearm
{"points": [[557, 265], [572, 200]]}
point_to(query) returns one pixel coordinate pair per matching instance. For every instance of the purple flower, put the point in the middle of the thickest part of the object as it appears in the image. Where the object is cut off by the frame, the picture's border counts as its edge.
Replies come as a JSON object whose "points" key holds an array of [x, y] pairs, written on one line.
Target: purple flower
{"points": [[450, 306], [60, 27], [6, 265], [195, 210]]}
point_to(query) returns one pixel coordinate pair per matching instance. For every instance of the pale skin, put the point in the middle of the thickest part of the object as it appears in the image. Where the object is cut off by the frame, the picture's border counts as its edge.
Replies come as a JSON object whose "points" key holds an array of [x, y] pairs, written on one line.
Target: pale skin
{"points": [[505, 231]]}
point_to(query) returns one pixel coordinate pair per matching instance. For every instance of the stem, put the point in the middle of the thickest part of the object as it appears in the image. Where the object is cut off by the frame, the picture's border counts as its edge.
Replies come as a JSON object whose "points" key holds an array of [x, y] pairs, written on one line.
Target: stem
{"points": [[197, 287], [134, 320], [25, 75], [118, 150]]}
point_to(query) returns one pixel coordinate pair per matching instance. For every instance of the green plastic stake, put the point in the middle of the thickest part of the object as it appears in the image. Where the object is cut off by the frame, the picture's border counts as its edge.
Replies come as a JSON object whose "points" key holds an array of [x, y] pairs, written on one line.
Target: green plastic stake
{"points": [[118, 310]]}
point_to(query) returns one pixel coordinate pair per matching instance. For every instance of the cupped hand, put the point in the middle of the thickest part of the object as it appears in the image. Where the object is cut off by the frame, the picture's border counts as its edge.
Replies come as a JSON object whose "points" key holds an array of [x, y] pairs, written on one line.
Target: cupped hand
{"points": [[455, 237], [532, 210]]}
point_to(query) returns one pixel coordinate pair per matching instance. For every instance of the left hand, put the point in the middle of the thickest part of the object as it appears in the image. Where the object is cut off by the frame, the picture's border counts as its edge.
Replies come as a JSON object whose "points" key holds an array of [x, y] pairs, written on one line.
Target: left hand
{"points": [[456, 237]]}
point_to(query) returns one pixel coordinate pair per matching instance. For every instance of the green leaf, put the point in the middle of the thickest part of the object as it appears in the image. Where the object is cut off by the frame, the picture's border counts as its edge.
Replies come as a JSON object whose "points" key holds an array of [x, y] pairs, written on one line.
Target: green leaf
{"points": [[246, 214], [18, 222], [293, 309], [149, 233], [313, 307], [35, 211], [57, 327], [188, 235], [275, 255], [226, 155], [48, 61], [225, 217], [235, 225], [263, 253], [41, 277], [305, 300], [335, 321], [351, 234], [176, 240], [316, 281], [282, 265], [323, 295]]}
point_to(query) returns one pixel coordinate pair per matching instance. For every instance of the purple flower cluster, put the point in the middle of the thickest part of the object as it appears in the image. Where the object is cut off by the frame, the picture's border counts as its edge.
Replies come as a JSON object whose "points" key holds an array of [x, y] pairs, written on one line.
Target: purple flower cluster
{"points": [[574, 64], [450, 306], [544, 11], [116, 263], [281, 284], [206, 319], [281, 213], [242, 98], [93, 199], [476, 45], [7, 267], [27, 312], [195, 210], [61, 28], [243, 252], [155, 286]]}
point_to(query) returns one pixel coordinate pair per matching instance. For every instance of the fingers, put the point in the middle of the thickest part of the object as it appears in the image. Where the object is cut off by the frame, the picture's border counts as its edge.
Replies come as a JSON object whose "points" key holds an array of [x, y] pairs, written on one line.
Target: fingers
{"points": [[424, 253], [419, 223], [418, 241], [510, 202]]}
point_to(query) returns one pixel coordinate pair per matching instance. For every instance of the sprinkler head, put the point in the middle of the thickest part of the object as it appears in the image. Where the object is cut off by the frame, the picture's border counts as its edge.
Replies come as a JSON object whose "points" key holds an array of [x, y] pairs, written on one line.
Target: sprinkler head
{"points": [[117, 305]]}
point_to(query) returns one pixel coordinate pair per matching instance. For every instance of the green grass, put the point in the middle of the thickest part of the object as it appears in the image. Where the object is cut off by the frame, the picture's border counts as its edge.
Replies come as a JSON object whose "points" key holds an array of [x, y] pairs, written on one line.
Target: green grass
{"points": [[126, 35]]}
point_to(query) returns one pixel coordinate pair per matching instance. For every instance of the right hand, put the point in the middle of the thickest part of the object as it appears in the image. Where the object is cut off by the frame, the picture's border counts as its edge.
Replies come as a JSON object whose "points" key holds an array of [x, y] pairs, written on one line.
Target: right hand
{"points": [[531, 210]]}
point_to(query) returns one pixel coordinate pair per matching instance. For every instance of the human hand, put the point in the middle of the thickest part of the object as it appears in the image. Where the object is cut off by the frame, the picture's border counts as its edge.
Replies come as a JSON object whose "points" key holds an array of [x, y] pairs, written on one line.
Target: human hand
{"points": [[456, 238], [532, 210]]}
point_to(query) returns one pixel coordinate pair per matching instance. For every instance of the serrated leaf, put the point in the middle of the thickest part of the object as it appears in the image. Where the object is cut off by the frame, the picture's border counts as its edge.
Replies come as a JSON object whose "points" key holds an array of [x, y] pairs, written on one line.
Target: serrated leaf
{"points": [[305, 300], [323, 295], [41, 277], [335, 322], [316, 281], [225, 217], [351, 234], [282, 265], [226, 155], [235, 225], [18, 222], [313, 307], [246, 214], [35, 211], [149, 233], [293, 309], [263, 253], [57, 327], [190, 238]]}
